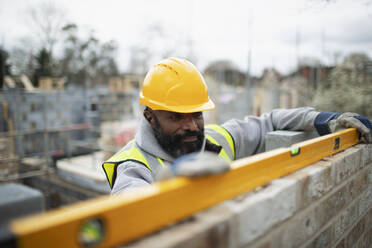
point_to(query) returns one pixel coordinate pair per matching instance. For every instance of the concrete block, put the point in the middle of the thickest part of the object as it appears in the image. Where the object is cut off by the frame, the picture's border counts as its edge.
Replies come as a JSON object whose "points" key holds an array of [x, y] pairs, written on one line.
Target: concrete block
{"points": [[345, 220], [283, 138], [368, 218], [315, 181], [369, 176], [365, 201], [299, 229], [341, 244], [324, 239], [358, 184], [355, 233], [365, 240], [256, 214], [264, 245], [270, 239], [364, 156], [369, 153], [345, 163], [353, 157], [361, 161], [332, 205], [17, 200]]}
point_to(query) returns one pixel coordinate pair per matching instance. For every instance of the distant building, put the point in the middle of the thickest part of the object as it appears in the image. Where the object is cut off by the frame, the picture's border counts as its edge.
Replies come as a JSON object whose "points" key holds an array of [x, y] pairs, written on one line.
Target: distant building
{"points": [[51, 83], [225, 72], [125, 84], [270, 79], [267, 92], [312, 75], [227, 85], [299, 85]]}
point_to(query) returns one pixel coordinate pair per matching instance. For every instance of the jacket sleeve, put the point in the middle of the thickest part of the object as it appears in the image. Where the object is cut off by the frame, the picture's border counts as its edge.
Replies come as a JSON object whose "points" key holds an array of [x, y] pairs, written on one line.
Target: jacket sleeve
{"points": [[130, 175], [249, 134]]}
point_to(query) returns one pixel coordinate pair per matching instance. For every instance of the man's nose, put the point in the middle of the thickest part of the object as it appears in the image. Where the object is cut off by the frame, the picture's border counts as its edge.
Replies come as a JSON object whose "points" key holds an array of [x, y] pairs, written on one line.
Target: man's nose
{"points": [[189, 123]]}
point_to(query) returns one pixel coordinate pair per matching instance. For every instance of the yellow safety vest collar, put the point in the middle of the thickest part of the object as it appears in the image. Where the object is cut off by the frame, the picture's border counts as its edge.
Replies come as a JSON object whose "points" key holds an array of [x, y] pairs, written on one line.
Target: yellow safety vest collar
{"points": [[134, 154]]}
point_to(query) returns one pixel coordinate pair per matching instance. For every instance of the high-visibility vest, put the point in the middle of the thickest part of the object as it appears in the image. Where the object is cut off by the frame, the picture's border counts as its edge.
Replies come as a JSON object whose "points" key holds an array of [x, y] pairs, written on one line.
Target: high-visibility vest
{"points": [[133, 153]]}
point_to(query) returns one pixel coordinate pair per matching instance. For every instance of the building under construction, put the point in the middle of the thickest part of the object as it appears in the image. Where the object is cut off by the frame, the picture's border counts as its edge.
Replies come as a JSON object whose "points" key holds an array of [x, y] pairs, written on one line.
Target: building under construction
{"points": [[54, 139], [314, 193]]}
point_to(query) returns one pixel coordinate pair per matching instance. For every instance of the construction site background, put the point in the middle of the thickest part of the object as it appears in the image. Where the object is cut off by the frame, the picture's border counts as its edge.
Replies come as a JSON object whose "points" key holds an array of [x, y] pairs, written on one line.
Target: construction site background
{"points": [[54, 137]]}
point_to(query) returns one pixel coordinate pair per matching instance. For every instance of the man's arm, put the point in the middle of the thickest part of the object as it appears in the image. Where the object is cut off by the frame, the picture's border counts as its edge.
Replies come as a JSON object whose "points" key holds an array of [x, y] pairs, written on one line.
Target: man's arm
{"points": [[131, 174], [249, 134], [329, 122]]}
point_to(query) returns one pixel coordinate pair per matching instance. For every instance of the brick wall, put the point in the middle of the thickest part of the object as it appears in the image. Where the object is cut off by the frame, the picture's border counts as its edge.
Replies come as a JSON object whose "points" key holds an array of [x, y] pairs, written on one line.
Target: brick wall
{"points": [[328, 204]]}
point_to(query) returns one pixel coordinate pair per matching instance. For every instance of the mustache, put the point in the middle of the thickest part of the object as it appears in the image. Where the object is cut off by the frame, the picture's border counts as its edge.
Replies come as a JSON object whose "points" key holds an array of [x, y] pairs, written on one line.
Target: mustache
{"points": [[188, 133]]}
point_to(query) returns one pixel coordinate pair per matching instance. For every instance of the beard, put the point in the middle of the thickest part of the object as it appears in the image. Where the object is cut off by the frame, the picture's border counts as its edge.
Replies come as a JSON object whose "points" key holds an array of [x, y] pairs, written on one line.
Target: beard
{"points": [[174, 145]]}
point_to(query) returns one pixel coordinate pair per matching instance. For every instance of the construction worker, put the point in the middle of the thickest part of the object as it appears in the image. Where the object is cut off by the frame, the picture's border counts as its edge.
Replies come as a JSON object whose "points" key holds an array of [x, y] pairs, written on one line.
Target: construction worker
{"points": [[175, 96]]}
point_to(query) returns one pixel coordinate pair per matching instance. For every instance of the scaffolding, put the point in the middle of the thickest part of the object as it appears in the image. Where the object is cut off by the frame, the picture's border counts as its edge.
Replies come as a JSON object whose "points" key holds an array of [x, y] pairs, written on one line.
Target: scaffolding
{"points": [[46, 155], [41, 128]]}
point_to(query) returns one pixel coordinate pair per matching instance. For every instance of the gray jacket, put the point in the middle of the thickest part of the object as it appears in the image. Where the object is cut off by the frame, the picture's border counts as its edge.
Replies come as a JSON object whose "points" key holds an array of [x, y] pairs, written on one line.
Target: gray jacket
{"points": [[248, 134]]}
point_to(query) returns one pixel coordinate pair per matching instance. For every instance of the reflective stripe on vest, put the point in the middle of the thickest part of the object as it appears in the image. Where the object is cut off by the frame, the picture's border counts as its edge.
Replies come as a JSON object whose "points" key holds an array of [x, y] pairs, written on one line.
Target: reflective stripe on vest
{"points": [[222, 153], [110, 166], [134, 154], [226, 135]]}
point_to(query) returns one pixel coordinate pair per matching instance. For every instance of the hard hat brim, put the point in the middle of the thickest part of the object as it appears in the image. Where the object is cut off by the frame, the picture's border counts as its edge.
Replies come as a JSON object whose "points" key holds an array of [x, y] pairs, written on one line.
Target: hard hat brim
{"points": [[179, 108]]}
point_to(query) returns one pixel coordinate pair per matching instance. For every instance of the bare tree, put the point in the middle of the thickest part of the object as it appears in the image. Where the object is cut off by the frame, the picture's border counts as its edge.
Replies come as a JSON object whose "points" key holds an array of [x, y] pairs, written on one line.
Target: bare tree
{"points": [[47, 20], [22, 57], [87, 61], [155, 44], [139, 59]]}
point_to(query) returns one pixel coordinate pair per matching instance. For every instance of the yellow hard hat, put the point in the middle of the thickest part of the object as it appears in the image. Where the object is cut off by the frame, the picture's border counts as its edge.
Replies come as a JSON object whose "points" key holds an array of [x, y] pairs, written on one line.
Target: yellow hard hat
{"points": [[175, 85]]}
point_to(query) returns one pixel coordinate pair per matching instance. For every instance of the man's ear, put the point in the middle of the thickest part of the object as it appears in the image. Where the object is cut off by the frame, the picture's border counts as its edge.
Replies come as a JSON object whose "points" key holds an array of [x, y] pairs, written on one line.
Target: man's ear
{"points": [[149, 115]]}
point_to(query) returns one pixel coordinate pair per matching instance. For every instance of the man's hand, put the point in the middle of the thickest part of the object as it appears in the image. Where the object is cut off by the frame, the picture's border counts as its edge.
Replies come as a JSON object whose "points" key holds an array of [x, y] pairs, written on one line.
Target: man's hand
{"points": [[347, 120], [327, 122], [194, 165]]}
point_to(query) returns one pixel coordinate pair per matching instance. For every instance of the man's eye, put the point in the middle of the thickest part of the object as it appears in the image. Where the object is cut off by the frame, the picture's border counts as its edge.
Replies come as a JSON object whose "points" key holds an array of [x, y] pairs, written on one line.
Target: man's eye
{"points": [[197, 114], [175, 117]]}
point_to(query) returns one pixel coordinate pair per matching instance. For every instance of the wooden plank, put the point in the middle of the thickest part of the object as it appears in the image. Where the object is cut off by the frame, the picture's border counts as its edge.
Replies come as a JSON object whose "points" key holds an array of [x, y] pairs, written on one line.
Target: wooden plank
{"points": [[117, 220]]}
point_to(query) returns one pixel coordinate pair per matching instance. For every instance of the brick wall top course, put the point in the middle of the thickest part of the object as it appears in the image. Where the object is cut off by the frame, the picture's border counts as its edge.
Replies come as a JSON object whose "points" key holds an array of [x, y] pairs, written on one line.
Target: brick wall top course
{"points": [[312, 207]]}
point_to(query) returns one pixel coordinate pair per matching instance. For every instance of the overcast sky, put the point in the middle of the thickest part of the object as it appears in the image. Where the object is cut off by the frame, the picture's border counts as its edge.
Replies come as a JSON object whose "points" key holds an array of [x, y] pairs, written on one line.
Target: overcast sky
{"points": [[224, 29]]}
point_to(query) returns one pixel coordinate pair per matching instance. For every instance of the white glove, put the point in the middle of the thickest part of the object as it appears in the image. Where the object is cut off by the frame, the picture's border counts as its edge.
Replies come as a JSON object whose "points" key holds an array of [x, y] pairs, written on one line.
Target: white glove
{"points": [[194, 165], [347, 120]]}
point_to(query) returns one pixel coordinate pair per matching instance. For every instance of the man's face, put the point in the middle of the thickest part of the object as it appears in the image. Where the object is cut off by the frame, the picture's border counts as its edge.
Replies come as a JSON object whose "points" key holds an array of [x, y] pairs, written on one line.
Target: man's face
{"points": [[178, 133]]}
